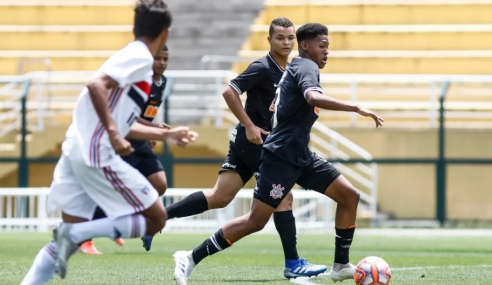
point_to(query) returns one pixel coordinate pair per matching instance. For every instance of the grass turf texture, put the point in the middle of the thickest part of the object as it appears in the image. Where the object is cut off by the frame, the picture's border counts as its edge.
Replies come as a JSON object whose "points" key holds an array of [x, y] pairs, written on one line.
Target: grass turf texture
{"points": [[258, 259]]}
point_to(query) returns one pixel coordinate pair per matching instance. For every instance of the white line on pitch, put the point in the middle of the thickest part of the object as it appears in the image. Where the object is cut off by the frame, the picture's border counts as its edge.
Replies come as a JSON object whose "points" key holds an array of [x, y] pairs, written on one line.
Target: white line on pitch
{"points": [[437, 267], [302, 281]]}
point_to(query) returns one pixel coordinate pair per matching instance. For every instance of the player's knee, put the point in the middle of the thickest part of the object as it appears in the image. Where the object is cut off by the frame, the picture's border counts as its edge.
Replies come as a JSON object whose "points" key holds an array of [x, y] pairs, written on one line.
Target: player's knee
{"points": [[218, 200], [224, 201], [286, 204], [255, 224], [351, 197], [159, 222]]}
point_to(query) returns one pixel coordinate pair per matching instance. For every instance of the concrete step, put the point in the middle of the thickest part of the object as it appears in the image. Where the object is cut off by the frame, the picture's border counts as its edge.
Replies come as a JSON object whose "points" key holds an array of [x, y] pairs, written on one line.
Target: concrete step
{"points": [[79, 37], [380, 12], [64, 13], [400, 37]]}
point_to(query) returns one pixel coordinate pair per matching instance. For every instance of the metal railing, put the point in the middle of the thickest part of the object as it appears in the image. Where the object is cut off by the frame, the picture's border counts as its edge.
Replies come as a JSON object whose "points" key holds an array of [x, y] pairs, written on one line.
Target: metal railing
{"points": [[405, 100], [24, 209], [196, 95]]}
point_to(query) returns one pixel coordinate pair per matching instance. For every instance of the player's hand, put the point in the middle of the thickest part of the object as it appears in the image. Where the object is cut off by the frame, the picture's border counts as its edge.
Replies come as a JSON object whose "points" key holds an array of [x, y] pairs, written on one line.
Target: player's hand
{"points": [[368, 113], [120, 145], [152, 144], [181, 136], [253, 134]]}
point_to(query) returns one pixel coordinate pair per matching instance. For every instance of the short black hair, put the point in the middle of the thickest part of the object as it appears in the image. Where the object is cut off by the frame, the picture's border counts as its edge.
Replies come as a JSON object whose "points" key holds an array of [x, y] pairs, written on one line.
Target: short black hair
{"points": [[151, 18], [279, 22], [310, 31]]}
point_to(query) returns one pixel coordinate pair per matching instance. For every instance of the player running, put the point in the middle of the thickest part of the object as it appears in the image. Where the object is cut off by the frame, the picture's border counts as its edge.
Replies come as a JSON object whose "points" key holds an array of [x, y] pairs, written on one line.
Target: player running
{"points": [[259, 80], [287, 160], [90, 171], [143, 158]]}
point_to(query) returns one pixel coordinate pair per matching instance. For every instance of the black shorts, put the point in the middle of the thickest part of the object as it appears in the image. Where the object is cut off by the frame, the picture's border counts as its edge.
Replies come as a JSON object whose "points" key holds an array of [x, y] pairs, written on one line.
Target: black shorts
{"points": [[245, 162], [277, 177], [146, 163]]}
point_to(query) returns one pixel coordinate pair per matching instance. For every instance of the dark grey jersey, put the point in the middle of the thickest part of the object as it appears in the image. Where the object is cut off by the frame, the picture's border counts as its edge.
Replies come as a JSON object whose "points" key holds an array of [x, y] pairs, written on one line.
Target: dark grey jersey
{"points": [[294, 117]]}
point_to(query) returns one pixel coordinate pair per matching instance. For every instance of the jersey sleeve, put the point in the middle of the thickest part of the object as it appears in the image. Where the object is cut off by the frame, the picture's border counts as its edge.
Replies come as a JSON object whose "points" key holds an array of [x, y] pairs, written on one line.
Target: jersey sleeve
{"points": [[127, 68], [308, 78], [250, 78]]}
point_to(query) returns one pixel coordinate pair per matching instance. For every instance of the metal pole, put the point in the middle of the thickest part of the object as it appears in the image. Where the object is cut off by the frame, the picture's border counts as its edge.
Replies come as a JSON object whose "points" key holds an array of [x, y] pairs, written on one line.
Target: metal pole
{"points": [[441, 160], [23, 176], [166, 157]]}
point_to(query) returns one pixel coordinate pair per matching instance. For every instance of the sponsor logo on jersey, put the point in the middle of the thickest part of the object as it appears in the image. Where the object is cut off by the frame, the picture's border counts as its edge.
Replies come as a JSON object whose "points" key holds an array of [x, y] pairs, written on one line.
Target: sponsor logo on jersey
{"points": [[228, 165]]}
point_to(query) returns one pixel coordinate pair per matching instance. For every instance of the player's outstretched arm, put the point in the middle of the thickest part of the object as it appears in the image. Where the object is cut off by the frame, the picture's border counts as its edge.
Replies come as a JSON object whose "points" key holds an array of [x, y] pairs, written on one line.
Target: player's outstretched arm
{"points": [[98, 90], [317, 99], [150, 124], [179, 136]]}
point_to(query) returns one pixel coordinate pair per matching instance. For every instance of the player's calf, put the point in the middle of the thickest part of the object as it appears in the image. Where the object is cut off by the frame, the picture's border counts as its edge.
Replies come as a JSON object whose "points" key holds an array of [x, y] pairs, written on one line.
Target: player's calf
{"points": [[347, 198], [43, 267]]}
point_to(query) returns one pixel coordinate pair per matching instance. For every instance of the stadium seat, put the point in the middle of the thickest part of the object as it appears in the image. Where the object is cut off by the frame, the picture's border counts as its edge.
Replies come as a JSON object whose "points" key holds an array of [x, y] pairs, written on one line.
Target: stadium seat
{"points": [[395, 37], [66, 12], [374, 12]]}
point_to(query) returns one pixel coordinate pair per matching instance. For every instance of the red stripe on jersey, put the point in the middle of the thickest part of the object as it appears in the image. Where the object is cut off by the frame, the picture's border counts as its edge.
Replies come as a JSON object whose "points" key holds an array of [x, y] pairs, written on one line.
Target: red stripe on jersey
{"points": [[144, 86]]}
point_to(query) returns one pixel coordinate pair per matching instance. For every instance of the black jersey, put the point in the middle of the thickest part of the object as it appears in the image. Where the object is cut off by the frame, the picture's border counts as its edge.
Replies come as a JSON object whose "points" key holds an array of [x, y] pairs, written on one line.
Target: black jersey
{"points": [[259, 80], [294, 117], [149, 112]]}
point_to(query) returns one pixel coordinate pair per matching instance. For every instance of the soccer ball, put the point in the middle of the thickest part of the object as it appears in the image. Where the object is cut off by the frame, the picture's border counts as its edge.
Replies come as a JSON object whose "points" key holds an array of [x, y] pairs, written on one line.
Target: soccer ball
{"points": [[372, 270]]}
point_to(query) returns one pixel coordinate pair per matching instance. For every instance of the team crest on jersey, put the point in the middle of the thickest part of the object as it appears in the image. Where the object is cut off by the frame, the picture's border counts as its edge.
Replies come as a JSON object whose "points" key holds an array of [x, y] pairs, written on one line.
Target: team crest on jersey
{"points": [[277, 191]]}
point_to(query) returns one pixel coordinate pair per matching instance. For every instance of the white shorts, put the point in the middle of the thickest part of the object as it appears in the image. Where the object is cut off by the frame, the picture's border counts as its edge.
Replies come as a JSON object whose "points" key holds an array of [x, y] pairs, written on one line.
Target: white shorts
{"points": [[119, 189]]}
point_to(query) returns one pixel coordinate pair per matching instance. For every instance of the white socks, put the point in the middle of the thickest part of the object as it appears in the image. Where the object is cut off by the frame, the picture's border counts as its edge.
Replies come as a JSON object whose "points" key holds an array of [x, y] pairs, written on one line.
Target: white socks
{"points": [[133, 226], [43, 267]]}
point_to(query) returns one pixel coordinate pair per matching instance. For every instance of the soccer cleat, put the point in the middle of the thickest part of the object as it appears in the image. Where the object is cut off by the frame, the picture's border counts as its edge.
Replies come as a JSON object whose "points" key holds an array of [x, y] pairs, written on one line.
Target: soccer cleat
{"points": [[65, 248], [147, 242], [120, 241], [89, 248], [302, 268], [184, 265], [340, 272]]}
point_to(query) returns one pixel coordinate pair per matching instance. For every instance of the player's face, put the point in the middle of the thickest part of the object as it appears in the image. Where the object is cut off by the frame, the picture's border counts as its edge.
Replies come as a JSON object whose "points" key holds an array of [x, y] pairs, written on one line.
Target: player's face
{"points": [[160, 62], [282, 40], [318, 50]]}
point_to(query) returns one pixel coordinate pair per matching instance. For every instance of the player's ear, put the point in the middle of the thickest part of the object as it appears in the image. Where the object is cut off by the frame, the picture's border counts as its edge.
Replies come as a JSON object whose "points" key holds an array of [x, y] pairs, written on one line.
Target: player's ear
{"points": [[269, 40], [304, 45]]}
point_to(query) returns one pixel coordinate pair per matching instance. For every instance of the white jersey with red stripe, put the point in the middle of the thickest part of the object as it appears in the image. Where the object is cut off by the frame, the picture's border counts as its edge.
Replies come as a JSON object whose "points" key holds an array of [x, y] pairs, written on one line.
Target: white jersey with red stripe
{"points": [[131, 68]]}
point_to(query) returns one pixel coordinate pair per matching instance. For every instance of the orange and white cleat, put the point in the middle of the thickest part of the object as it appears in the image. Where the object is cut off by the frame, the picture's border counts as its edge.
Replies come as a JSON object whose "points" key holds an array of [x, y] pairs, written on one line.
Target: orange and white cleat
{"points": [[120, 241], [89, 248]]}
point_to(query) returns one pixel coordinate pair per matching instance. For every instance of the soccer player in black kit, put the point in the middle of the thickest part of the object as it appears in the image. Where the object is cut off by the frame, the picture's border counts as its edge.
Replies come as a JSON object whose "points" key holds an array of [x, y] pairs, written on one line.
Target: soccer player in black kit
{"points": [[143, 158], [259, 80], [287, 160]]}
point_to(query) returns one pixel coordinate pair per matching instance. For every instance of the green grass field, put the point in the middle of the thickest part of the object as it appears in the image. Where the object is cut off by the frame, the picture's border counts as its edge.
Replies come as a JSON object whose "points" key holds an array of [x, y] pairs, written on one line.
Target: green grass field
{"points": [[418, 259]]}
